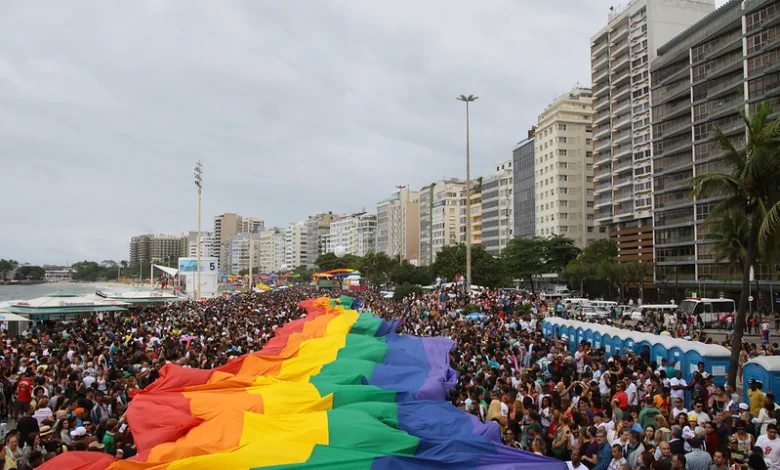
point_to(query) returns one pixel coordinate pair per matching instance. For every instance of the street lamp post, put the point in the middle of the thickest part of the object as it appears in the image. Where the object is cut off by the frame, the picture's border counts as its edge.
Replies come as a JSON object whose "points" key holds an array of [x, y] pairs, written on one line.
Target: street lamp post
{"points": [[199, 184], [467, 100]]}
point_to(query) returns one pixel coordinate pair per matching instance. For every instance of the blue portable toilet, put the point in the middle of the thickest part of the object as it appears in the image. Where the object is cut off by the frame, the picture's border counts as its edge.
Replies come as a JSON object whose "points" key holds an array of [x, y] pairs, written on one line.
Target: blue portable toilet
{"points": [[691, 363], [677, 357], [617, 345], [596, 339], [589, 336], [546, 328], [645, 348], [763, 368], [629, 345], [572, 338], [606, 341], [658, 351], [558, 330], [580, 335]]}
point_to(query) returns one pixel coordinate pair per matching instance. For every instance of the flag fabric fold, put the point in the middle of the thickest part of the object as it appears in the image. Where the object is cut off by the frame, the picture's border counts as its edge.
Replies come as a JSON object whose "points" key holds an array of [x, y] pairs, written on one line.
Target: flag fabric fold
{"points": [[336, 389]]}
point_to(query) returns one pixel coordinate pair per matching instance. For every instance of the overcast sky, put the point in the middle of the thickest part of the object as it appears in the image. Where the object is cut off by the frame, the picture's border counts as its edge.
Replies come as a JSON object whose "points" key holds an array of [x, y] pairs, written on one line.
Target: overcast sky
{"points": [[294, 107]]}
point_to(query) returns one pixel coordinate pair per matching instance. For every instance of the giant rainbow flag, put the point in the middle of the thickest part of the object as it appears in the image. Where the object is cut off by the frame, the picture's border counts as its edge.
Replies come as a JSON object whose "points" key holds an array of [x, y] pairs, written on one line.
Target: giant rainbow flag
{"points": [[336, 389]]}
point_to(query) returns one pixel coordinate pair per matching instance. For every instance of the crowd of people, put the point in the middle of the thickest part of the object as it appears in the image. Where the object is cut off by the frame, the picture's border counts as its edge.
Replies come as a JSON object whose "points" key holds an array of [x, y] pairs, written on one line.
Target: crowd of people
{"points": [[67, 386]]}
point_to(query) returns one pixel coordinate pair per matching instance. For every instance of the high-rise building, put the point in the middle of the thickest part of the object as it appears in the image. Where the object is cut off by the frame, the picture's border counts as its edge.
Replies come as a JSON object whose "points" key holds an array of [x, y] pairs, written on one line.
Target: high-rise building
{"points": [[702, 79], [317, 231], [355, 232], [439, 217], [240, 255], [398, 225], [523, 187], [209, 247], [252, 225], [475, 196], [266, 260], [280, 249], [225, 226], [160, 248], [497, 213], [564, 169], [295, 245], [620, 57]]}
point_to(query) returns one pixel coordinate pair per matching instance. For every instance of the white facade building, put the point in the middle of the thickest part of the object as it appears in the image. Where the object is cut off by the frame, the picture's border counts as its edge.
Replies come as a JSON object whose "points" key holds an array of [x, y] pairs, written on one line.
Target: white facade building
{"points": [[355, 232], [621, 53], [398, 225], [295, 245], [279, 248], [252, 224], [564, 169], [240, 254], [439, 217], [209, 245], [497, 211]]}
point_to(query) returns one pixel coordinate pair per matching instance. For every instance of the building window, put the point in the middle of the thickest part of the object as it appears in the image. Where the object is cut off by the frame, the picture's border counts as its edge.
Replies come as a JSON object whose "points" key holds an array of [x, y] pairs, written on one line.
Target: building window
{"points": [[561, 127], [590, 204], [561, 140], [563, 165], [563, 203], [563, 178], [562, 152]]}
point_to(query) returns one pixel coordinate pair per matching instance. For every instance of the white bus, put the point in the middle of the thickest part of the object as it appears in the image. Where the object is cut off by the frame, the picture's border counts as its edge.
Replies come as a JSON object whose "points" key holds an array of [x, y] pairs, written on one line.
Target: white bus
{"points": [[706, 312], [608, 304]]}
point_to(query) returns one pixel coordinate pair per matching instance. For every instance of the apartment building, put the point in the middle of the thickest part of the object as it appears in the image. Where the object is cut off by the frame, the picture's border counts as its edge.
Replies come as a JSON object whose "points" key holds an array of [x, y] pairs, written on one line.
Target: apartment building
{"points": [[209, 246], [621, 53], [163, 248], [497, 213], [475, 196], [524, 187], [439, 217], [398, 224], [564, 169], [355, 232], [279, 248], [266, 257], [295, 245], [317, 231], [241, 255], [252, 225], [702, 79]]}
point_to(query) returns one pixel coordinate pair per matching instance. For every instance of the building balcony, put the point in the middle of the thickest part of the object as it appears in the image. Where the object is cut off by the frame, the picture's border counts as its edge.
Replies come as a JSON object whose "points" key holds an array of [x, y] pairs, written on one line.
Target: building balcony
{"points": [[618, 34], [597, 49], [622, 122], [621, 107], [668, 93], [618, 49], [623, 78], [621, 164], [601, 104], [621, 182], [725, 87], [604, 186], [727, 64], [604, 200], [624, 211], [603, 174], [672, 129], [624, 195], [730, 44], [672, 148], [601, 89], [602, 132], [603, 215], [618, 64], [600, 62], [666, 112], [620, 93], [601, 117], [621, 151], [602, 144], [600, 75], [603, 158], [621, 137]]}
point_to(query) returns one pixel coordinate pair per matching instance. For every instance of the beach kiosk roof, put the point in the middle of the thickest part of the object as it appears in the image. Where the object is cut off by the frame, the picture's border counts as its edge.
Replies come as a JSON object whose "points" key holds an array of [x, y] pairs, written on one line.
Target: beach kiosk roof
{"points": [[62, 306], [140, 296]]}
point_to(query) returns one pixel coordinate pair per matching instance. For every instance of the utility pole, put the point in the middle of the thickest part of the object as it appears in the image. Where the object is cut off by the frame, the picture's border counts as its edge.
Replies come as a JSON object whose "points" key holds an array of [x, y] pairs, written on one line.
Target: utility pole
{"points": [[467, 100], [199, 184]]}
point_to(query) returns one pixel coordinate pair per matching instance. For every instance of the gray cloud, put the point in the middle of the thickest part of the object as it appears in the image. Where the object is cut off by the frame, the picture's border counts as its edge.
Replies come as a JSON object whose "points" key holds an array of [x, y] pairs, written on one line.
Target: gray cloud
{"points": [[294, 107]]}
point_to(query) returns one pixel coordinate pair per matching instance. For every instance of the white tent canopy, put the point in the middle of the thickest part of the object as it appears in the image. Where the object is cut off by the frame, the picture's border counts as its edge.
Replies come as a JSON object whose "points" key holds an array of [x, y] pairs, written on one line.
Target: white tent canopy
{"points": [[8, 316], [166, 269]]}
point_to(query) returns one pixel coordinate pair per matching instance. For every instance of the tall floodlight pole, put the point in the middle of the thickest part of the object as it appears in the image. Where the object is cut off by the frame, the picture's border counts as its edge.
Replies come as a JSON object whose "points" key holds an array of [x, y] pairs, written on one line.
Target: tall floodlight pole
{"points": [[199, 184], [467, 100]]}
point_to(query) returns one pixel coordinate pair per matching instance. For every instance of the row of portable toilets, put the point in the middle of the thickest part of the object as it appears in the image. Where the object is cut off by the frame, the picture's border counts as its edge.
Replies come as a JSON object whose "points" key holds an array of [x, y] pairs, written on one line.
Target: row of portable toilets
{"points": [[686, 354]]}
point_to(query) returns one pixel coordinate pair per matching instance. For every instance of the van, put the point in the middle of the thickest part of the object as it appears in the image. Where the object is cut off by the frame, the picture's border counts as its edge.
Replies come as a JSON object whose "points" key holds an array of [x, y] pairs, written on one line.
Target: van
{"points": [[706, 312], [609, 305], [639, 313]]}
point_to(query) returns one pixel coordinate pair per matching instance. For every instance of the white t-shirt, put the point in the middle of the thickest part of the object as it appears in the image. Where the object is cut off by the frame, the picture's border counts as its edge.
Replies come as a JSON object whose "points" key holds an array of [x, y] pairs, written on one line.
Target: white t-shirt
{"points": [[771, 450], [579, 356], [579, 467], [633, 394], [675, 412], [678, 393], [88, 380], [701, 417]]}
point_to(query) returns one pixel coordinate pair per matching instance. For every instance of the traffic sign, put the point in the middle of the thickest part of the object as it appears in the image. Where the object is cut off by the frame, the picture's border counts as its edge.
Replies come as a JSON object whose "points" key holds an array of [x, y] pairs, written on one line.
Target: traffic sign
{"points": [[750, 299]]}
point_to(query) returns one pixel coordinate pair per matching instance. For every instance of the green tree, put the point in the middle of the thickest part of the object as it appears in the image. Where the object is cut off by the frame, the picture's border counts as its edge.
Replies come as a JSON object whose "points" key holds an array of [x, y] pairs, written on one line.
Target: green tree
{"points": [[407, 273], [524, 258], [376, 267], [748, 185], [30, 273], [638, 272], [486, 270], [594, 263], [6, 266], [559, 251], [576, 272], [329, 261]]}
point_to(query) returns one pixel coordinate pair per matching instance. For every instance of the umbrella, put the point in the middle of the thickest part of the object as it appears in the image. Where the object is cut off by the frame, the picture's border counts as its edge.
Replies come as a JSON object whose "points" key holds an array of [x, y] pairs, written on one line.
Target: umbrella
{"points": [[184, 339], [476, 316]]}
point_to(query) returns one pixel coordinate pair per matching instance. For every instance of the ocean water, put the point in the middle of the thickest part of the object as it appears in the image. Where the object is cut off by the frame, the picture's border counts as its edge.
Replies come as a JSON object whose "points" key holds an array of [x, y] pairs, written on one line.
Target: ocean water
{"points": [[27, 292]]}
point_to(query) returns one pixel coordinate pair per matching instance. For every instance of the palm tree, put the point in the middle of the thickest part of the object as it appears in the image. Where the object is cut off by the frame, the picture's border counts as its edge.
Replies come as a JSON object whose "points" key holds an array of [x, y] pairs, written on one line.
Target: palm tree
{"points": [[731, 232], [748, 186]]}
